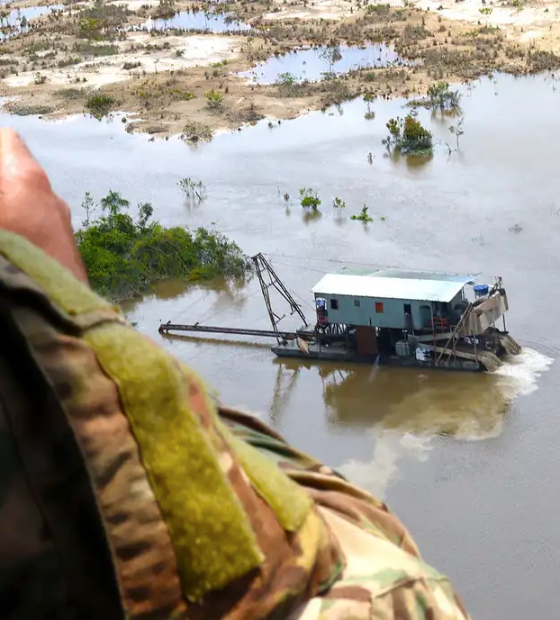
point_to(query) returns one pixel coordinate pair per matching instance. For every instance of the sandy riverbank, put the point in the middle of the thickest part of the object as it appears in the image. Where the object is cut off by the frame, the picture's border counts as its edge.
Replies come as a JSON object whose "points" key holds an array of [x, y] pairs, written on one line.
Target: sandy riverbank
{"points": [[183, 82]]}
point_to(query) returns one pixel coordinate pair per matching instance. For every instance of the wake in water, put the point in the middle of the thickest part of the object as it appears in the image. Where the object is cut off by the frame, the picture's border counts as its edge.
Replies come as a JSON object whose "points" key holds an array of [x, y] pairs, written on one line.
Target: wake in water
{"points": [[519, 375], [461, 410]]}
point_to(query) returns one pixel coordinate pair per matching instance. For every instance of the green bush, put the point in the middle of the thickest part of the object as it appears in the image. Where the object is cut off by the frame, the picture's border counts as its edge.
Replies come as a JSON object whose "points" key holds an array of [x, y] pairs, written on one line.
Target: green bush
{"points": [[407, 135], [99, 105]]}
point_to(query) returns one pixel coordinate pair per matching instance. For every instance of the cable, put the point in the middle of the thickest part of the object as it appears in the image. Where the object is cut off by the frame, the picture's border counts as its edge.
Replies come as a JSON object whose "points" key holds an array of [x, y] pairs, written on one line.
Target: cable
{"points": [[347, 262], [194, 303], [306, 268], [228, 306], [292, 292]]}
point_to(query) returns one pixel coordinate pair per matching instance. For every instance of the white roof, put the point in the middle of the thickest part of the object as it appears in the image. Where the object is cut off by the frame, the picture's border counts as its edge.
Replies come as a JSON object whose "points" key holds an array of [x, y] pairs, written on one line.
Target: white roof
{"points": [[392, 287]]}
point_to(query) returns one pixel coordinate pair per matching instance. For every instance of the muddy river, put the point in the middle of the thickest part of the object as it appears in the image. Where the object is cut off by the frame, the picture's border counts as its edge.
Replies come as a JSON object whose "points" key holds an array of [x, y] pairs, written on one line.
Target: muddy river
{"points": [[470, 462]]}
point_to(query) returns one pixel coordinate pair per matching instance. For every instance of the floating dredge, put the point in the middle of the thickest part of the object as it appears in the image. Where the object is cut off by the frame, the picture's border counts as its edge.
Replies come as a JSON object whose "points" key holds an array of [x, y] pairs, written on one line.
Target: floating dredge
{"points": [[397, 318]]}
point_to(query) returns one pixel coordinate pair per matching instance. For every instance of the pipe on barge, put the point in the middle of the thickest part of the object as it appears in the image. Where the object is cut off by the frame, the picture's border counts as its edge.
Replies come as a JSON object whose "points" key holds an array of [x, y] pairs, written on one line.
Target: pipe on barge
{"points": [[166, 328]]}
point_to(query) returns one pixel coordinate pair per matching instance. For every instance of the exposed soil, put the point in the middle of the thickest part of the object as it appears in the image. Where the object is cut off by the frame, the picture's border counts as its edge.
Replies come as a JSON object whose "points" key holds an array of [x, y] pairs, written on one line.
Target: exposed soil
{"points": [[100, 58]]}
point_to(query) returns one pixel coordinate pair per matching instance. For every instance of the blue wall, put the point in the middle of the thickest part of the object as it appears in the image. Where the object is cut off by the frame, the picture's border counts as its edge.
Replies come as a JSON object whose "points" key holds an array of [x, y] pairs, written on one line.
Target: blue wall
{"points": [[365, 314]]}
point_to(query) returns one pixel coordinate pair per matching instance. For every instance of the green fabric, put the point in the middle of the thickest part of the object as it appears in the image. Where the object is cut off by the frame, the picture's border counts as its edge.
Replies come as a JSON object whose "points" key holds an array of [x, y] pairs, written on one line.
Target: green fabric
{"points": [[290, 502], [211, 533]]}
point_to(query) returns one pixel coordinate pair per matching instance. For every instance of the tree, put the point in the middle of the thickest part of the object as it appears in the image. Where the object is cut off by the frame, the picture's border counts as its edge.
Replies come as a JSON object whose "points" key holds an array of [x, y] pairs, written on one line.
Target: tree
{"points": [[440, 96], [145, 212], [487, 11], [192, 189], [89, 205], [408, 136], [331, 54], [457, 130], [369, 98]]}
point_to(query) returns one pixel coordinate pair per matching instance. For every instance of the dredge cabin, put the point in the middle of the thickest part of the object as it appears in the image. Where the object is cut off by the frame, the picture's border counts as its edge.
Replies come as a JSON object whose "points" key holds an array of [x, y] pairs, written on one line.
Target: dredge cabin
{"points": [[406, 318]]}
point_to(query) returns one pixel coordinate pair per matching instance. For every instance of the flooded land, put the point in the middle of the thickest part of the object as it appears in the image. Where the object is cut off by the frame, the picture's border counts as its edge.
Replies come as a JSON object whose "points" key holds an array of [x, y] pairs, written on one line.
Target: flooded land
{"points": [[133, 96], [193, 68]]}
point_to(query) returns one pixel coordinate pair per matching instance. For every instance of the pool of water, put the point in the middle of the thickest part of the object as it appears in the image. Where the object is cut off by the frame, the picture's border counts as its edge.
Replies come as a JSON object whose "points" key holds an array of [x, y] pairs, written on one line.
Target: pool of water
{"points": [[17, 19], [197, 20], [467, 461], [315, 63]]}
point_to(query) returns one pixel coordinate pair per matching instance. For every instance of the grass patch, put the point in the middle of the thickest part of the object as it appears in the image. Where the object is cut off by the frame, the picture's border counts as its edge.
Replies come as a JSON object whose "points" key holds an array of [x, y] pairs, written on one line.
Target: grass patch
{"points": [[68, 62], [91, 49], [99, 105], [70, 94]]}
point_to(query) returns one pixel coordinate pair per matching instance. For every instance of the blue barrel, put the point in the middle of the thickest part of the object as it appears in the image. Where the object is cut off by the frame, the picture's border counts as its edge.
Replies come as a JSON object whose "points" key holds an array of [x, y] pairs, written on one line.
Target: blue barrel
{"points": [[481, 289]]}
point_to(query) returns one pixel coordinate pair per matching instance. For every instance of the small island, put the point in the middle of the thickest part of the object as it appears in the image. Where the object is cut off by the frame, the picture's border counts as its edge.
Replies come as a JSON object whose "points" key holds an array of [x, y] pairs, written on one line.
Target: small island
{"points": [[125, 257]]}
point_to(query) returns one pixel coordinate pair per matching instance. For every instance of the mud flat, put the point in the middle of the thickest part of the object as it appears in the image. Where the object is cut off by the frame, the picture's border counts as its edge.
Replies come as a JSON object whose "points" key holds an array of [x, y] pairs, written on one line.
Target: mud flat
{"points": [[193, 68]]}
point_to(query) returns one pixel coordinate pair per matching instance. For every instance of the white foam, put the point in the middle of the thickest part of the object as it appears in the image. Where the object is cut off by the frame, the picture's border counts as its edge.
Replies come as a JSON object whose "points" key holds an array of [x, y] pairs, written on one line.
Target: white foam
{"points": [[519, 376]]}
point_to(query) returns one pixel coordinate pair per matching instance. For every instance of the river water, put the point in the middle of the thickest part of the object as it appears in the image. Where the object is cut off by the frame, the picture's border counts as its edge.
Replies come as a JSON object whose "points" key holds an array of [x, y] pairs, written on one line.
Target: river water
{"points": [[468, 461]]}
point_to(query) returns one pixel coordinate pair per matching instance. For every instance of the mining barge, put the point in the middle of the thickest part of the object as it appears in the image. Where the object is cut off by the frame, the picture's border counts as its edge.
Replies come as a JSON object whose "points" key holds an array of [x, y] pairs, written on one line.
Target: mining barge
{"points": [[392, 317]]}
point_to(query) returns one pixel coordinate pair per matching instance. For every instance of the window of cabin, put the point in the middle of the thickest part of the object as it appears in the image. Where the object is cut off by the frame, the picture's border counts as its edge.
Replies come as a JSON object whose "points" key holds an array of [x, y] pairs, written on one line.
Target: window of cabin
{"points": [[357, 303], [334, 304], [379, 307]]}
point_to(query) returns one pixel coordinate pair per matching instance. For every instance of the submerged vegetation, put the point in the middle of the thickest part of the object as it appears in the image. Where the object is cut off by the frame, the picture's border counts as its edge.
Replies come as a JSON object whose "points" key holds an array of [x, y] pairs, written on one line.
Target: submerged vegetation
{"points": [[309, 199], [193, 190], [125, 257], [363, 216], [440, 97], [408, 136]]}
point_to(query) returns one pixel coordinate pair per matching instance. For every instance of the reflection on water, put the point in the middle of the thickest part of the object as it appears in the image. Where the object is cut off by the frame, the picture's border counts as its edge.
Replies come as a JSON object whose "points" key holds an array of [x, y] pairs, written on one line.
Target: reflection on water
{"points": [[316, 62], [460, 405], [197, 20]]}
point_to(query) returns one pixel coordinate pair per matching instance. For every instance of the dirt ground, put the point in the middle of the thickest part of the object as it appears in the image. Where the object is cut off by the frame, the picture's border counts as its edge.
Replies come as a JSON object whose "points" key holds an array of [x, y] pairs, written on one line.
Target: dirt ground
{"points": [[107, 57]]}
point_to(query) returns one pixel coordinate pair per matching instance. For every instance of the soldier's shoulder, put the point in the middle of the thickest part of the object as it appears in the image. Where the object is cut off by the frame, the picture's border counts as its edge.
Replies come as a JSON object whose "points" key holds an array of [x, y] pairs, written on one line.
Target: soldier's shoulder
{"points": [[383, 581], [413, 599]]}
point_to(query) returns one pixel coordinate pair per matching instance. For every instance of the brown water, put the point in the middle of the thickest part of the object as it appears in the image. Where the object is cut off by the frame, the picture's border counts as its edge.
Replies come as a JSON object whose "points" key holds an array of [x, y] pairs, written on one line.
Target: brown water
{"points": [[470, 462]]}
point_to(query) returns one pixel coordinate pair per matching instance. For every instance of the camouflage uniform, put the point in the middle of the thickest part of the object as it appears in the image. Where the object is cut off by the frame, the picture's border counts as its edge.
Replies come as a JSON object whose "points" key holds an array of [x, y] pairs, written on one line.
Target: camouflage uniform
{"points": [[128, 492]]}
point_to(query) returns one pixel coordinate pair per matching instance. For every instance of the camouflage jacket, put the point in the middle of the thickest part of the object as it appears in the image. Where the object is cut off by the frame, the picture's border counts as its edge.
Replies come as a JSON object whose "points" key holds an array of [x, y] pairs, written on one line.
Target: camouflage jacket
{"points": [[128, 492]]}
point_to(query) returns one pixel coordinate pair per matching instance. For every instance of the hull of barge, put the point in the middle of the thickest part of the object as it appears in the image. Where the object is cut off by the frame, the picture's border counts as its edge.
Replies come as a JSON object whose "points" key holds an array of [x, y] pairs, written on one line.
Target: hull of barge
{"points": [[342, 354]]}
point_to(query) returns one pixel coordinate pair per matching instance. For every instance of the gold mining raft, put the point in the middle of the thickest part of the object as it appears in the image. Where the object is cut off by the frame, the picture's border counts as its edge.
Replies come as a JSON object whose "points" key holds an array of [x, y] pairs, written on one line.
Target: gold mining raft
{"points": [[392, 317]]}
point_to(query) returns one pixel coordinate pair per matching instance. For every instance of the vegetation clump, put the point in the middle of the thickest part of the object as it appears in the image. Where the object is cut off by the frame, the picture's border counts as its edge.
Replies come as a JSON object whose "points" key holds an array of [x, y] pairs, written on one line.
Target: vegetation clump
{"points": [[99, 105], [309, 199], [194, 190], [441, 97], [101, 20], [214, 101], [363, 216], [408, 136], [124, 257], [195, 132]]}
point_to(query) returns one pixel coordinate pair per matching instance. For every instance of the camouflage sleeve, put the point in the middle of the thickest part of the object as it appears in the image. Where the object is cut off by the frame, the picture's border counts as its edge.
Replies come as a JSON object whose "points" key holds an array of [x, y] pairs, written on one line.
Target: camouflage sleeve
{"points": [[143, 500], [385, 577]]}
